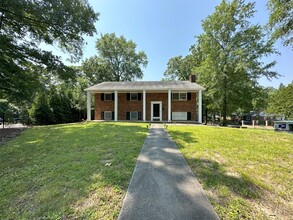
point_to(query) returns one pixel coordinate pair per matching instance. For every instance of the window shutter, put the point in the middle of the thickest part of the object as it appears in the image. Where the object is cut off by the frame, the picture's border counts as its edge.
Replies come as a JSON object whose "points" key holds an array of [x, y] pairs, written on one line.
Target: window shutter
{"points": [[127, 115], [102, 115], [113, 115], [189, 116], [128, 96], [102, 96], [113, 96], [139, 116], [189, 96], [139, 96]]}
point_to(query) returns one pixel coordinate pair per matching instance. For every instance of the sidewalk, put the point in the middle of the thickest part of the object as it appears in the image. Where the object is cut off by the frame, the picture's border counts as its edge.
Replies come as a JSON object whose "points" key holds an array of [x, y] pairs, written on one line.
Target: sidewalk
{"points": [[162, 185]]}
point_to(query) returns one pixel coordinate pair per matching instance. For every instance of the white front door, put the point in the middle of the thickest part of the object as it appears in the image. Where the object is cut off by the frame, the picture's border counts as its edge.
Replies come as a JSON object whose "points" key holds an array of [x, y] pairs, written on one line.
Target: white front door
{"points": [[156, 111]]}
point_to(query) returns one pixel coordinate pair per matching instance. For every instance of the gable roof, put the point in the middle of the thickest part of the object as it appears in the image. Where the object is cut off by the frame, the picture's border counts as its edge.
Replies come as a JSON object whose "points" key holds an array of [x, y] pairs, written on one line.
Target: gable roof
{"points": [[146, 85]]}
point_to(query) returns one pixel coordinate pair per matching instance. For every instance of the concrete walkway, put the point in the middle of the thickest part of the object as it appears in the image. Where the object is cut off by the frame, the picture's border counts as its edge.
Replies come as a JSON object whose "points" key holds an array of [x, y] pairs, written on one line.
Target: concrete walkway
{"points": [[162, 185]]}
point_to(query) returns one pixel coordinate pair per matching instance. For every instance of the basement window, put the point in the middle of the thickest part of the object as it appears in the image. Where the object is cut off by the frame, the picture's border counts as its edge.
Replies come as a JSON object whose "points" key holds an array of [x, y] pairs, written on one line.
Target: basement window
{"points": [[134, 116], [108, 115], [179, 116]]}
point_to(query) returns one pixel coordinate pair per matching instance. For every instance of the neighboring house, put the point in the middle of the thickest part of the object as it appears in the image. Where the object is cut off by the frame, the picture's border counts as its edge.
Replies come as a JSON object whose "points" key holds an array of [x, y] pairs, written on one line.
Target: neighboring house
{"points": [[147, 101], [258, 117]]}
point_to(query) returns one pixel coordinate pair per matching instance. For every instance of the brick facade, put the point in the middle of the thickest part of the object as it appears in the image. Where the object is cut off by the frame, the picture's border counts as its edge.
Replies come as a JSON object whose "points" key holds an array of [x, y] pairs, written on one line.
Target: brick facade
{"points": [[125, 105]]}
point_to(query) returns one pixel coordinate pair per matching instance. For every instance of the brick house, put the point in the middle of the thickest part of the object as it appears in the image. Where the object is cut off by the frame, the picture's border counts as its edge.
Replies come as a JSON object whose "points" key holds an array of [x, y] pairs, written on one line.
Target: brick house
{"points": [[147, 101]]}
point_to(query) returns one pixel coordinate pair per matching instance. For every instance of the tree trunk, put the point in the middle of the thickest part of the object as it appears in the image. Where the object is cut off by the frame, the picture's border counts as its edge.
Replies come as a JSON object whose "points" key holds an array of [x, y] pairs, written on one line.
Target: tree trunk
{"points": [[206, 113], [225, 102]]}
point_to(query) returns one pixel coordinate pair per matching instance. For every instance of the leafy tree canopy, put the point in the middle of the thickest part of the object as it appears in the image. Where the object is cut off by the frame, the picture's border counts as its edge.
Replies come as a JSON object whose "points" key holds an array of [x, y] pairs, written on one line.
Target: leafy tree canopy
{"points": [[281, 20], [117, 60], [24, 24], [280, 101], [232, 48], [179, 68], [4, 105]]}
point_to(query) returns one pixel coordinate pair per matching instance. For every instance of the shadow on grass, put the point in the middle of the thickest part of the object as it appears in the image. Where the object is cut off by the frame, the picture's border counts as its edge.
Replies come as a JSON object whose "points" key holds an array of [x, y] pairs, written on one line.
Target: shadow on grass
{"points": [[68, 171], [186, 137], [214, 174], [162, 186]]}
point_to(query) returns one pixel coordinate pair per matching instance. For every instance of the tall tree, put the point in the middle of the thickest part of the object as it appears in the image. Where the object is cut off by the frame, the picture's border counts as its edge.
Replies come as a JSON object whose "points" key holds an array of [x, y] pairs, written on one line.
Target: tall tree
{"points": [[179, 68], [260, 98], [24, 24], [232, 47], [77, 96], [281, 20], [117, 60], [41, 111], [280, 101]]}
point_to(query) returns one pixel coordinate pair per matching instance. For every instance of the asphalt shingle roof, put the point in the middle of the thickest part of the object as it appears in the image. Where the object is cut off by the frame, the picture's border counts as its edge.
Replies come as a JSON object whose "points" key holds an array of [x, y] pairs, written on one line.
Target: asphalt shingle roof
{"points": [[146, 85]]}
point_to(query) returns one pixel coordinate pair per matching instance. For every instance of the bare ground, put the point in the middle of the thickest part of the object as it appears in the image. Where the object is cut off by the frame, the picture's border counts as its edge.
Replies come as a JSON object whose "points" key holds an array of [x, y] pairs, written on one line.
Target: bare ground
{"points": [[8, 134]]}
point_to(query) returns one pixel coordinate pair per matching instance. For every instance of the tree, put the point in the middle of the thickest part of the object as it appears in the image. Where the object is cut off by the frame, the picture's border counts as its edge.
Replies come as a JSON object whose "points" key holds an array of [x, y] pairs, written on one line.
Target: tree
{"points": [[281, 20], [60, 105], [117, 60], [280, 101], [41, 111], [25, 24], [77, 96], [260, 98], [179, 68], [4, 106], [232, 49]]}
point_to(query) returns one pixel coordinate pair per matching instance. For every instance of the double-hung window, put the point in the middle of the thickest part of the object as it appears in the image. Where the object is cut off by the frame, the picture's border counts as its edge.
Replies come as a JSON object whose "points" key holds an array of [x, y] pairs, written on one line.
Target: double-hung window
{"points": [[133, 96], [108, 96], [179, 96]]}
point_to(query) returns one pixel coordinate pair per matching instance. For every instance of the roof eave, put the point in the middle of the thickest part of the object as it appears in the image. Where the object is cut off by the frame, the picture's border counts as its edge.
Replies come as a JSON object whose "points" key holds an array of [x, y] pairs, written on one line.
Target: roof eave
{"points": [[142, 89]]}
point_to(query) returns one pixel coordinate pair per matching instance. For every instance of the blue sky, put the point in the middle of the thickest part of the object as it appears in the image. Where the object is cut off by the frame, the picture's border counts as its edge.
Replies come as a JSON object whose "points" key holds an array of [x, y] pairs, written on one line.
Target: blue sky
{"points": [[166, 28]]}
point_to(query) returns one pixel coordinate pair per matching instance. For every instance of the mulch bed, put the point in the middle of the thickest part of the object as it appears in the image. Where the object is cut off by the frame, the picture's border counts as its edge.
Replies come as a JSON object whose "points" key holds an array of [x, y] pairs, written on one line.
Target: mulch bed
{"points": [[7, 134]]}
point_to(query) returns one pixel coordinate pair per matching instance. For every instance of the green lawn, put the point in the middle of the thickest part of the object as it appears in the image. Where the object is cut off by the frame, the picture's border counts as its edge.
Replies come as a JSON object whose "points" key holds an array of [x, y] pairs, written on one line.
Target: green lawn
{"points": [[246, 173], [74, 171]]}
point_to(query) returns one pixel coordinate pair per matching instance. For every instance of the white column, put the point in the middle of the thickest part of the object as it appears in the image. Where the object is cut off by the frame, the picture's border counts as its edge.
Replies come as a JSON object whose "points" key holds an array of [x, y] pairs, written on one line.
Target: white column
{"points": [[144, 105], [88, 105], [199, 106], [169, 105], [116, 106]]}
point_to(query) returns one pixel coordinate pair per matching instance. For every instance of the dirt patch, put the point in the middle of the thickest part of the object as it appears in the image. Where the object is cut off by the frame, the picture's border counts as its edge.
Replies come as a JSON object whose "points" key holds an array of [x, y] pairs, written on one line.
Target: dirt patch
{"points": [[274, 207], [8, 134]]}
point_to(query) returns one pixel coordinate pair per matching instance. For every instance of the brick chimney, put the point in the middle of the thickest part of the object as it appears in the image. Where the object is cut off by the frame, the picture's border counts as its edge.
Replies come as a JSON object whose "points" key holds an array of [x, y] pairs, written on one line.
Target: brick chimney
{"points": [[192, 78]]}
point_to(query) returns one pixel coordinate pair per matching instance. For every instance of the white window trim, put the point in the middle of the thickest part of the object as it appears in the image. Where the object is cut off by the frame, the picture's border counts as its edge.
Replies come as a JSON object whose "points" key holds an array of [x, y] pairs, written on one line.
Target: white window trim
{"points": [[133, 119], [179, 99], [136, 96], [179, 116], [105, 95], [109, 112]]}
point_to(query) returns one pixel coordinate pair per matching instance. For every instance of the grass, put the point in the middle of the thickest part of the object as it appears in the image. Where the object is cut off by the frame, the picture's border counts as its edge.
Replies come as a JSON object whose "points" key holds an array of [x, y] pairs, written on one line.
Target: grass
{"points": [[247, 174], [74, 171]]}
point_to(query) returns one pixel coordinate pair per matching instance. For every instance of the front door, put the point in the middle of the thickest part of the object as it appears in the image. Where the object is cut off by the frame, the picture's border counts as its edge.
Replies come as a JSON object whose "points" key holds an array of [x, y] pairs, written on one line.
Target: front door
{"points": [[156, 111]]}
